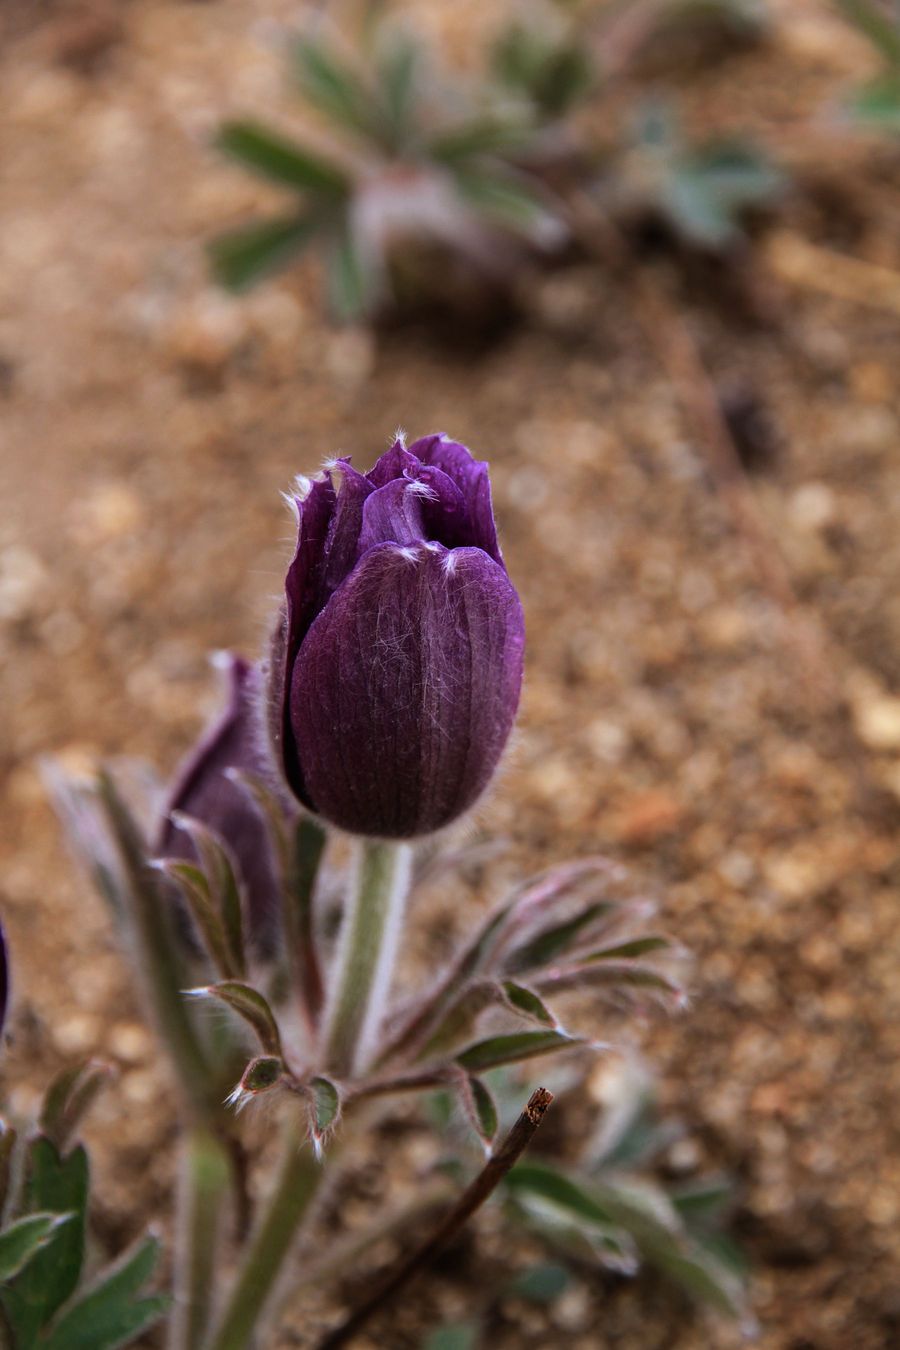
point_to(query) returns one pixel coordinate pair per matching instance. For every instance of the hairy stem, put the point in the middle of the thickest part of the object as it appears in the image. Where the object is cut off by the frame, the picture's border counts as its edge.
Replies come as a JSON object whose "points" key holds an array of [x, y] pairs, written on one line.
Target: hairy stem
{"points": [[493, 1172], [366, 954], [270, 1242], [156, 959], [204, 1184]]}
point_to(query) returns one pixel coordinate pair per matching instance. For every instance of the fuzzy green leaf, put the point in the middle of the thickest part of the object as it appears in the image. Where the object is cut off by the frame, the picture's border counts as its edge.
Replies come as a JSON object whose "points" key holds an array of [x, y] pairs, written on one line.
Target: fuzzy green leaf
{"points": [[559, 1190], [194, 886], [261, 1074], [244, 256], [110, 1314], [223, 889], [552, 941], [280, 160], [22, 1240], [496, 1050], [58, 1185], [353, 286], [69, 1098], [249, 1004], [324, 1111], [333, 87], [483, 1110], [527, 1002]]}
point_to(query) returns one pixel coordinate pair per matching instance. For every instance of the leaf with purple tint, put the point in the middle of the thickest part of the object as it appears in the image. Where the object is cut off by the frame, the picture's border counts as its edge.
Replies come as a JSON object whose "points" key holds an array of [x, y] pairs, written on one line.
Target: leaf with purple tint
{"points": [[224, 888], [249, 1004], [526, 1002], [194, 886], [480, 1108], [324, 1111], [551, 942], [628, 950], [510, 1049]]}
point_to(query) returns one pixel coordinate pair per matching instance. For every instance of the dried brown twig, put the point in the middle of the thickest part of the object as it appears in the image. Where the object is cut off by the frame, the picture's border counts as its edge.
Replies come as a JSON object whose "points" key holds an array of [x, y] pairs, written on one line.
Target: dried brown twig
{"points": [[493, 1172]]}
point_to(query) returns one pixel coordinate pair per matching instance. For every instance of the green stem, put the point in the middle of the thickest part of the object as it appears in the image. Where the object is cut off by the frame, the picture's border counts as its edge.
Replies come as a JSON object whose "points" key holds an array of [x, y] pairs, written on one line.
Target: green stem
{"points": [[155, 956], [270, 1242], [366, 953], [204, 1185]]}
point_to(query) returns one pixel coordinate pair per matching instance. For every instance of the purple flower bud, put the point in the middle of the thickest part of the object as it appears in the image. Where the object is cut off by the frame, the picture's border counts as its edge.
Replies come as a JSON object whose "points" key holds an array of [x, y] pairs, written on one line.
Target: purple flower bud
{"points": [[236, 740], [397, 662]]}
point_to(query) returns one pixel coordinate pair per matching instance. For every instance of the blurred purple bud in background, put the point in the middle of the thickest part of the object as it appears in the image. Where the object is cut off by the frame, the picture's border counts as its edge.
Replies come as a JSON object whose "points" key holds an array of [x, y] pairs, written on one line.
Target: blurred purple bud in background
{"points": [[397, 663], [203, 791]]}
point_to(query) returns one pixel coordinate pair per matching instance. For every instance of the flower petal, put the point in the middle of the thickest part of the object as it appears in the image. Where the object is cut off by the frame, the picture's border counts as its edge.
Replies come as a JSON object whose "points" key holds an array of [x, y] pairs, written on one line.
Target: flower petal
{"points": [[394, 463], [345, 525], [472, 478], [393, 514], [303, 586], [405, 689]]}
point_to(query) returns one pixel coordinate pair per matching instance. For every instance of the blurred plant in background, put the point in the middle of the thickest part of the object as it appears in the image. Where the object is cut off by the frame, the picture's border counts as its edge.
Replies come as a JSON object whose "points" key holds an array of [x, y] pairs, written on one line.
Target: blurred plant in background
{"points": [[435, 187], [619, 1205], [414, 172], [877, 103]]}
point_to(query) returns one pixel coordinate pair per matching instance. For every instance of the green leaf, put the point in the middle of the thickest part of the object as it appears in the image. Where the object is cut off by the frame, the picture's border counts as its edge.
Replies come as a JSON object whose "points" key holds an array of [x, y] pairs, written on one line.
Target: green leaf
{"points": [[222, 887], [703, 1203], [496, 1050], [592, 971], [353, 286], [707, 190], [506, 200], [281, 160], [69, 1098], [453, 1336], [249, 1004], [560, 1191], [22, 1240], [325, 1110], [397, 69], [194, 887], [57, 1185], [541, 1284], [877, 24], [554, 940], [635, 947], [480, 136], [333, 87], [110, 1315], [877, 104], [260, 1075], [554, 73], [244, 256], [527, 1002], [653, 1221], [481, 1109]]}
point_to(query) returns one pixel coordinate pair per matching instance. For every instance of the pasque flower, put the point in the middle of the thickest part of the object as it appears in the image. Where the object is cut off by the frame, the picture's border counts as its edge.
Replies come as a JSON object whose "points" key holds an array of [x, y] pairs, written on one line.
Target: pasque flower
{"points": [[397, 662], [203, 790]]}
